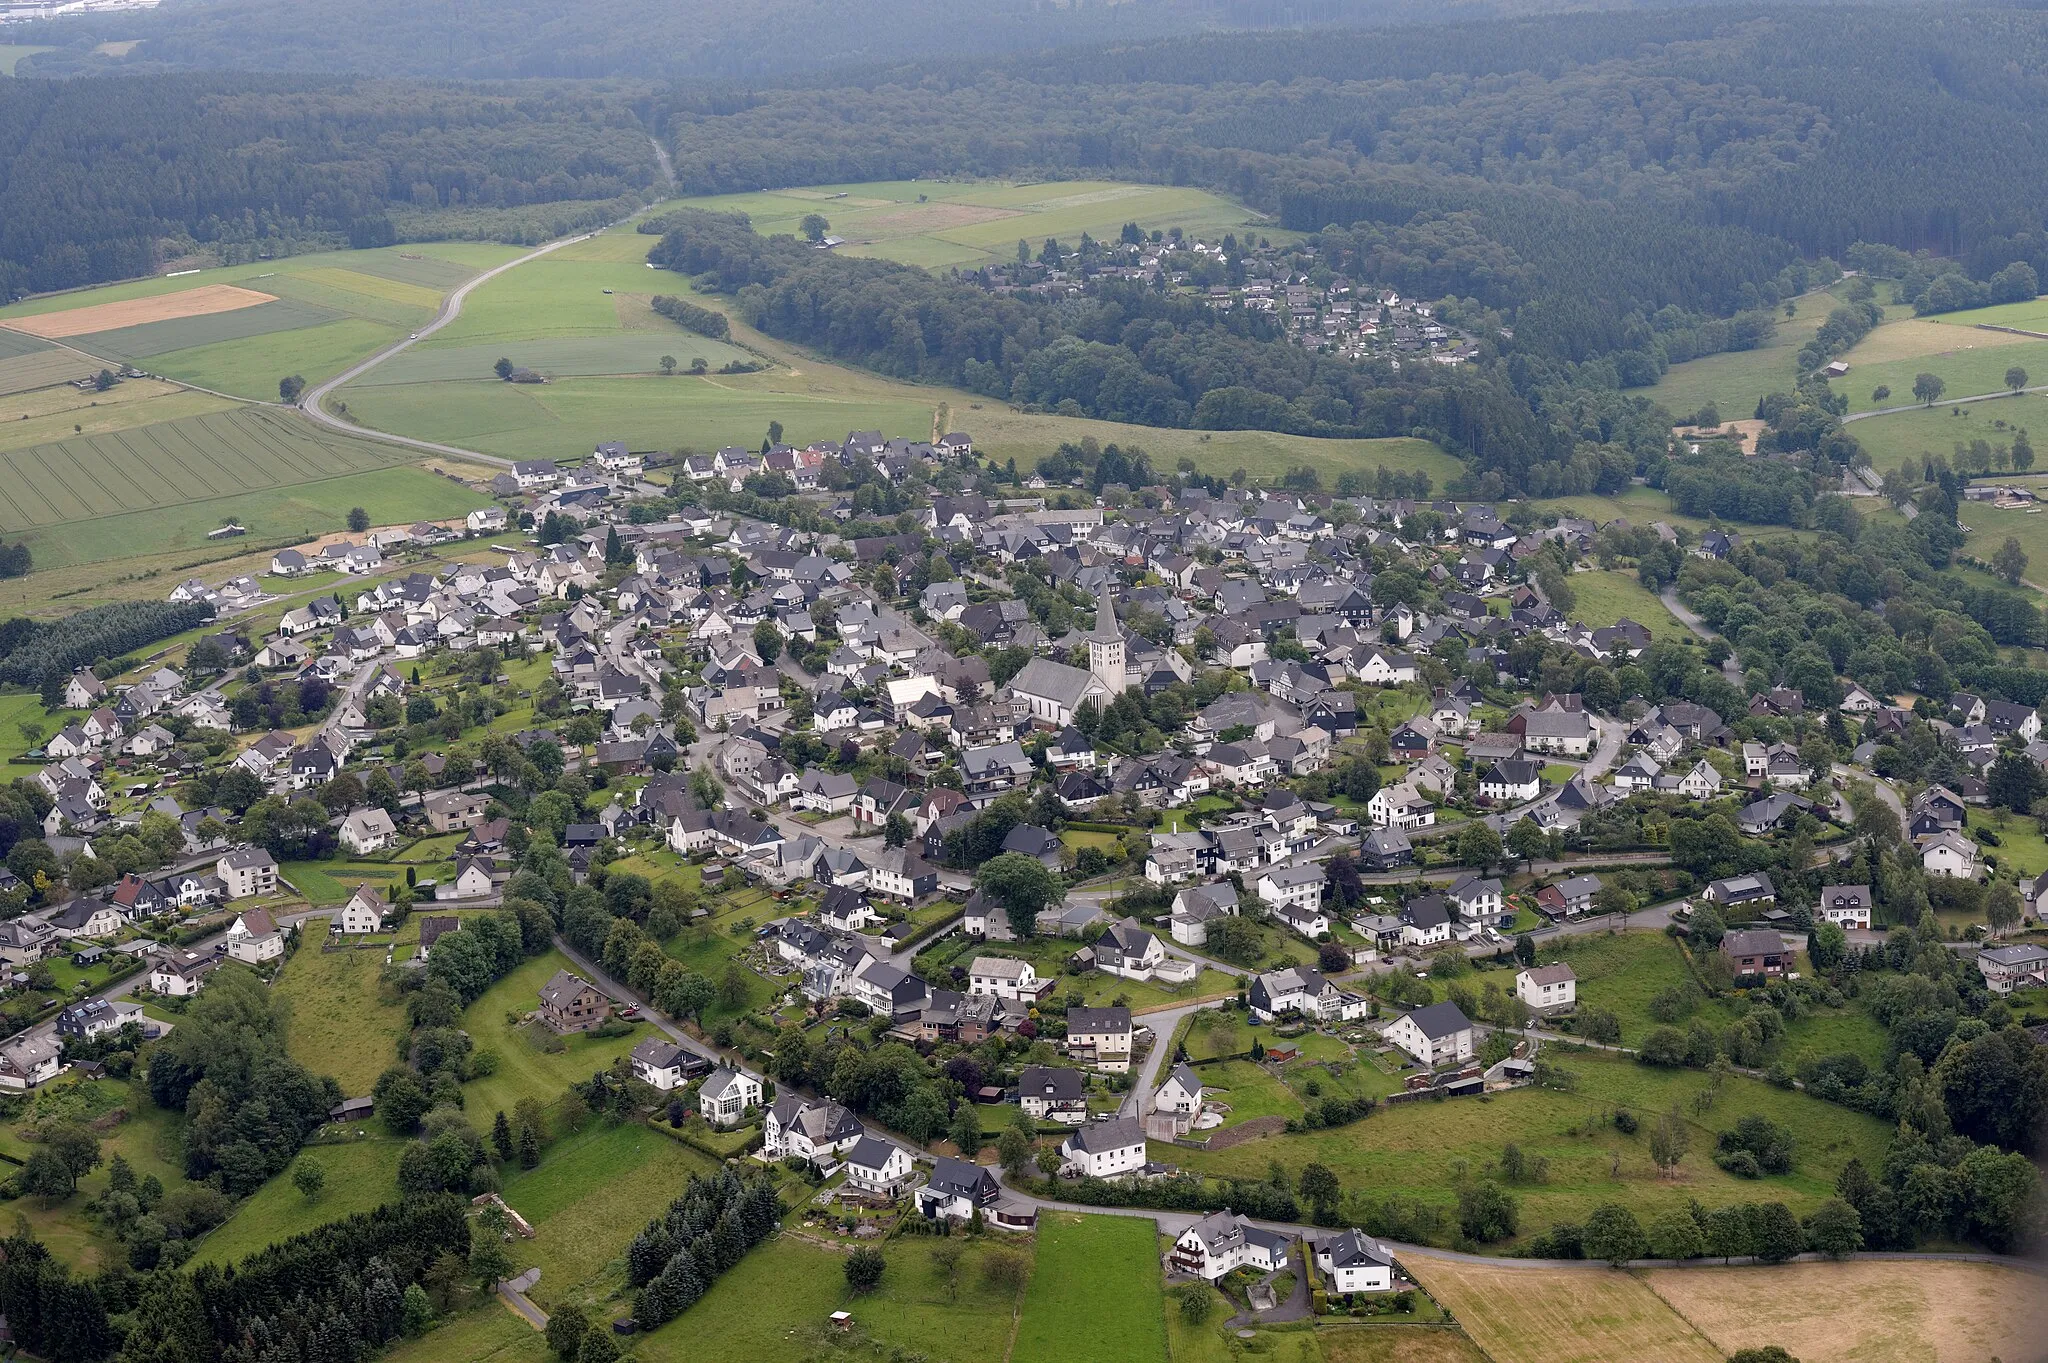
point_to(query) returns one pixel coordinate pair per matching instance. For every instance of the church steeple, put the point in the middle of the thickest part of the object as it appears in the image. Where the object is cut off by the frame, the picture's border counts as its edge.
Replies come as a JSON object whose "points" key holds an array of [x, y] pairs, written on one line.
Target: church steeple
{"points": [[1106, 647]]}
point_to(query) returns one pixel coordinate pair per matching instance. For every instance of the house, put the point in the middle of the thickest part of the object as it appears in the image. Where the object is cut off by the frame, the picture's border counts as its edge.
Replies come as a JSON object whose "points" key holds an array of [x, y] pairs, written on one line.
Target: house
{"points": [[180, 974], [1003, 978], [570, 1003], [1052, 1093], [1400, 806], [1568, 898], [1293, 887], [1355, 1262], [97, 1017], [366, 830], [1180, 1094], [1548, 988], [1036, 843], [1114, 1149], [1756, 953], [957, 1189], [1479, 899], [1568, 731], [1949, 853], [367, 911], [1223, 1242], [727, 1096], [432, 929], [1752, 890], [1512, 781], [1100, 1037], [473, 878], [24, 941], [28, 1061], [2015, 967], [1425, 921], [86, 917], [247, 871], [1196, 907], [1848, 905], [1435, 1035], [450, 811], [898, 873], [846, 910], [84, 690], [1301, 989], [1384, 849], [661, 1064], [877, 1167], [253, 938], [801, 1128], [1128, 951]]}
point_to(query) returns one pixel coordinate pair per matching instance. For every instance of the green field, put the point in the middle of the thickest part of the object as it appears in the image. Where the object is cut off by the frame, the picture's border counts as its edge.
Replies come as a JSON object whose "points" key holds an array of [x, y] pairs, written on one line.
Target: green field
{"points": [[525, 1070], [630, 352], [1095, 1294], [10, 53], [1968, 361], [1605, 597], [1734, 380], [938, 224], [1989, 526], [27, 370], [342, 1021], [150, 1139], [1377, 1157], [360, 1175]]}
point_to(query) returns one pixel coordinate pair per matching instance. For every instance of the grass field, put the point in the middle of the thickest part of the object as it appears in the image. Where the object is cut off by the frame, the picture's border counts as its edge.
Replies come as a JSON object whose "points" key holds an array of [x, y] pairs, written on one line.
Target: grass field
{"points": [[151, 1140], [342, 1022], [1900, 1312], [1989, 525], [1593, 1315], [24, 371], [10, 53], [940, 223], [524, 1069], [360, 1175], [1937, 429], [590, 1195], [1734, 381], [1095, 1294], [1377, 1156], [488, 1331], [1605, 597]]}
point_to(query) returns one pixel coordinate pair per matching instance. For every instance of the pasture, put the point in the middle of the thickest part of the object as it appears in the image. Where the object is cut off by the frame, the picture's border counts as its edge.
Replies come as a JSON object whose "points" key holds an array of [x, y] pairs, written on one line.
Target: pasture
{"points": [[1901, 436], [361, 1175], [528, 1065], [1095, 1294], [1989, 526], [1926, 1312], [940, 224], [1734, 380], [1578, 1315], [1605, 597], [343, 1021]]}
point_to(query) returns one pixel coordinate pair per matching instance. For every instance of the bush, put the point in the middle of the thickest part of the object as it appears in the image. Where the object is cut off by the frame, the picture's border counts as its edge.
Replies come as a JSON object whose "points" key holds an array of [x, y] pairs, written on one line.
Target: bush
{"points": [[1625, 1122], [1665, 1047], [1740, 1163]]}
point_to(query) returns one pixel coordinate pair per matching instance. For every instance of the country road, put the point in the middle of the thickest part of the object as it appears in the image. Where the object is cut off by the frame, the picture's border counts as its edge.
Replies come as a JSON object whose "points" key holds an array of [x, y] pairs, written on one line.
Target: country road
{"points": [[1943, 402]]}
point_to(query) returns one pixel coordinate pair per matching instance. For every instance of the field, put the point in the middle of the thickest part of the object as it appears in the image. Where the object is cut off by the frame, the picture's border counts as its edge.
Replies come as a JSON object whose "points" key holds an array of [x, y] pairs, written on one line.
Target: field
{"points": [[1733, 381], [1585, 1315], [1095, 1294], [1571, 1130], [1605, 597], [1989, 526], [360, 1175], [525, 1070], [10, 53], [1902, 436], [24, 371], [1969, 361], [1903, 1312], [134, 312], [341, 1021], [150, 1140], [938, 224]]}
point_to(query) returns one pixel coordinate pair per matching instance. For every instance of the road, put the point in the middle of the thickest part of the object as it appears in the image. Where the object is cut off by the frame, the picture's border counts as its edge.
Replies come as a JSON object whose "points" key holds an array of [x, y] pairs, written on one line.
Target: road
{"points": [[1730, 669], [311, 402], [1944, 402]]}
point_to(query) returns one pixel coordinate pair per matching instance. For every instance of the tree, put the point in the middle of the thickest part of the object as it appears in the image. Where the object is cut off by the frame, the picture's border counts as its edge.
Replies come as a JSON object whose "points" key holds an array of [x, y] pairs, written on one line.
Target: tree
{"points": [[1478, 846], [1835, 1229], [1928, 388], [1320, 1188], [668, 365], [501, 1136], [896, 829], [1677, 1235], [2010, 562], [1485, 1213], [1527, 839], [767, 641], [1769, 1353], [503, 368], [966, 1131], [1613, 1233], [2015, 379], [415, 1311], [864, 1268], [289, 388], [358, 519], [529, 1147], [1022, 885], [1670, 1138], [309, 1178], [699, 365], [1775, 1233], [1013, 1148], [814, 227], [2001, 908], [1196, 1301], [1525, 949]]}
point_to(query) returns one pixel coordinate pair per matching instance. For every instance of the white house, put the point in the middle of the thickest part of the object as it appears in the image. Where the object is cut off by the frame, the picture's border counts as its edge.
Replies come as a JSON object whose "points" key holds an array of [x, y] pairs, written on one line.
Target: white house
{"points": [[1436, 1035], [368, 829], [1128, 951], [28, 1061], [661, 1064], [1848, 905], [1181, 1093], [247, 871], [877, 1166], [1949, 853], [797, 1128], [726, 1096], [1052, 1092], [1196, 907], [1223, 1242], [1512, 781], [1299, 887], [1400, 806], [2015, 967], [181, 974], [365, 912], [1547, 988], [253, 938], [1101, 1037], [1355, 1262], [1106, 1149], [1301, 989], [1002, 977], [956, 1189]]}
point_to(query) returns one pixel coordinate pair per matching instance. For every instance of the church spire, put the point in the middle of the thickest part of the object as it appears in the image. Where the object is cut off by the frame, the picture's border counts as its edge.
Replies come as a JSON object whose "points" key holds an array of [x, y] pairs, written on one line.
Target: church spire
{"points": [[1105, 621]]}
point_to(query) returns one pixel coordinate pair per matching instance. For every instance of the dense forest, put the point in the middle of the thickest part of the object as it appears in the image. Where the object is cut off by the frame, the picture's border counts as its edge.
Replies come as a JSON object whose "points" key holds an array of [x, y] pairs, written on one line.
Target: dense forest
{"points": [[106, 178]]}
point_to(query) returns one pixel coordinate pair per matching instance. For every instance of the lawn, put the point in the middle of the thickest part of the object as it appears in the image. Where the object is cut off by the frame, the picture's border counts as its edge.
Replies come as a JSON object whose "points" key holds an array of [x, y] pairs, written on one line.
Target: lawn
{"points": [[525, 1070], [344, 1023], [1249, 1090], [1377, 1156], [1864, 1309], [1048, 955], [1605, 597], [709, 951], [1397, 1344], [361, 1175], [775, 1302], [588, 1198], [1582, 1315], [2020, 844], [11, 53], [1095, 1294]]}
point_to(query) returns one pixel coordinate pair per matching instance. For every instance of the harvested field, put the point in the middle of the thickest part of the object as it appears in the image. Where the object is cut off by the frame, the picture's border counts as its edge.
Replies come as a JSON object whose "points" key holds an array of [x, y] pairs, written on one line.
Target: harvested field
{"points": [[1916, 1311], [169, 307], [188, 333], [1911, 337], [1566, 1315], [40, 369], [1396, 1344]]}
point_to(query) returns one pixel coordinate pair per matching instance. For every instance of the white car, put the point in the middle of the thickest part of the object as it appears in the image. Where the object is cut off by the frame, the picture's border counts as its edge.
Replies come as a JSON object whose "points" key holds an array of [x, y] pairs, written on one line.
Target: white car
{"points": [[414, 337]]}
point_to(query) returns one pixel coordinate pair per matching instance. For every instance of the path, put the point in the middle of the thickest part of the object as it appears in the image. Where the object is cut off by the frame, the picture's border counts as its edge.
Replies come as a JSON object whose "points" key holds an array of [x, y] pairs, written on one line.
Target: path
{"points": [[668, 169], [1944, 402], [311, 402], [521, 1303], [1730, 669]]}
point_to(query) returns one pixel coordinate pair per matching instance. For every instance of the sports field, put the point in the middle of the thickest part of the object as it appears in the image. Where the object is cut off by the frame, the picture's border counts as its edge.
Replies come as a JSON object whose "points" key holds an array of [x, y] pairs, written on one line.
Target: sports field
{"points": [[940, 223]]}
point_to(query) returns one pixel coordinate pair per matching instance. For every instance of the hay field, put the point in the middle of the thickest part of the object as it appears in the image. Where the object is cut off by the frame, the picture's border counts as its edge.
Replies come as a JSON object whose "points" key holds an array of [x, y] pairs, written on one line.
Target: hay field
{"points": [[24, 373], [1564, 1315], [131, 312], [1915, 1311]]}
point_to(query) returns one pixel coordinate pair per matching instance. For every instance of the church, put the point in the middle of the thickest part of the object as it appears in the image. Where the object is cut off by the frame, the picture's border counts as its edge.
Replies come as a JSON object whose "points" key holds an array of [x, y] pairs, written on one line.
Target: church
{"points": [[1056, 692]]}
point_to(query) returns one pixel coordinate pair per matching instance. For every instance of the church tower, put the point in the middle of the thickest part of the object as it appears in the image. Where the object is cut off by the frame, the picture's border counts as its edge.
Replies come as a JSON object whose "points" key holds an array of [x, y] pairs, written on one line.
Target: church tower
{"points": [[1106, 648]]}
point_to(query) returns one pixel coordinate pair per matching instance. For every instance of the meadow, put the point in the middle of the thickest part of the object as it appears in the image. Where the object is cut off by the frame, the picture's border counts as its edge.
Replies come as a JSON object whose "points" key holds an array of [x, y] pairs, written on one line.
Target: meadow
{"points": [[1095, 1294], [1989, 526], [149, 1138], [1900, 436], [343, 1021], [1604, 597], [525, 1069], [10, 53], [1734, 380], [361, 1174], [1584, 1315], [969, 224]]}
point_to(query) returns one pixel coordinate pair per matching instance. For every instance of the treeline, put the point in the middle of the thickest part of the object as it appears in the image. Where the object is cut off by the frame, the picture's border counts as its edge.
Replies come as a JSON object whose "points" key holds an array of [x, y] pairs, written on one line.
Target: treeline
{"points": [[1122, 353], [33, 651], [690, 317], [678, 1255], [105, 178]]}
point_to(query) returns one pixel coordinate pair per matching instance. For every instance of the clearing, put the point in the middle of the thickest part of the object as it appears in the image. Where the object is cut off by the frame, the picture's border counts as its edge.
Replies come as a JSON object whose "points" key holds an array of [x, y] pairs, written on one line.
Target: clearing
{"points": [[1553, 1315], [96, 317]]}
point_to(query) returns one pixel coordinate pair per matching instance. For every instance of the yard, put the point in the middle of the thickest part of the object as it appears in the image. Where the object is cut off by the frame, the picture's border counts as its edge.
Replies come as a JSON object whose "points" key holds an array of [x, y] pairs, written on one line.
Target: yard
{"points": [[1095, 1295], [526, 1068], [343, 1021]]}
